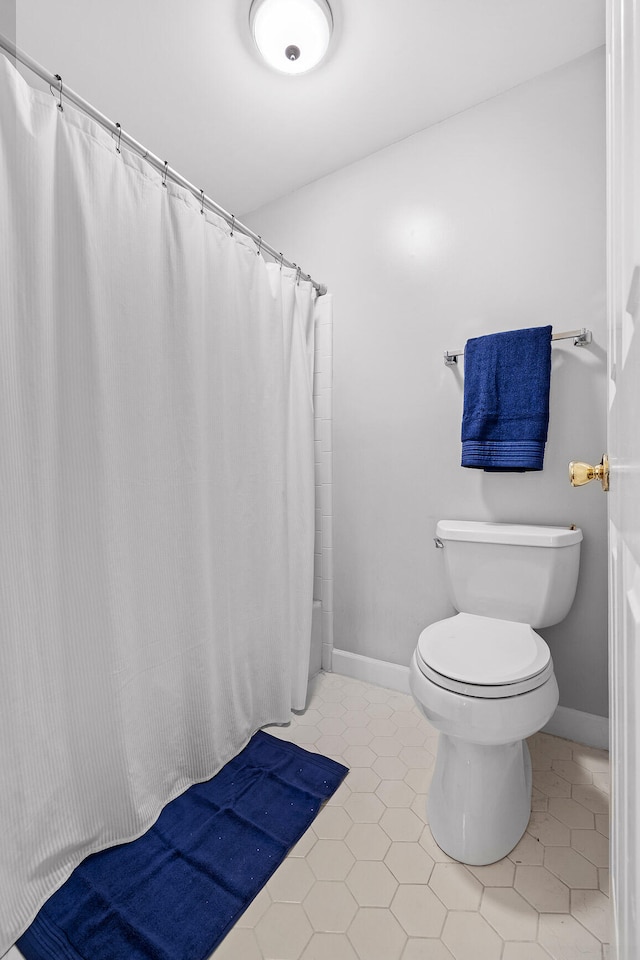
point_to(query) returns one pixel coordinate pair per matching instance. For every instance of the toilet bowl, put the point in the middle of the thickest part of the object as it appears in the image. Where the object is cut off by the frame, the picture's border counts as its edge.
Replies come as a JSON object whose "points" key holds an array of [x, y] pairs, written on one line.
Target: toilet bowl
{"points": [[485, 681]]}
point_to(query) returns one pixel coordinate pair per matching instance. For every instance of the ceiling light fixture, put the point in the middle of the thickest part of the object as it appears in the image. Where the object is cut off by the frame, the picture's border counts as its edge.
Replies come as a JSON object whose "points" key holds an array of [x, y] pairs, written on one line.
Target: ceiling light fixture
{"points": [[291, 35]]}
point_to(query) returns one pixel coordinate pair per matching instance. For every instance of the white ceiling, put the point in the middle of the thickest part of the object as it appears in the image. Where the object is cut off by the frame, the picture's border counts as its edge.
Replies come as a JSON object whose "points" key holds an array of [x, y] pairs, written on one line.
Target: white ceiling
{"points": [[182, 78]]}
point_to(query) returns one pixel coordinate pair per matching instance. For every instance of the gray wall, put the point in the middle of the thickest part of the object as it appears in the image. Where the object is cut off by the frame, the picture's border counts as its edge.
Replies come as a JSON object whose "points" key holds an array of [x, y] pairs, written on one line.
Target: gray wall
{"points": [[491, 220], [8, 19]]}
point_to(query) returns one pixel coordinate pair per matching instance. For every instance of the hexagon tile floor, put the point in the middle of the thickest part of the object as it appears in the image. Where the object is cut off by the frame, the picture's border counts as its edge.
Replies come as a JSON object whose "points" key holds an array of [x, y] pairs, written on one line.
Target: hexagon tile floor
{"points": [[367, 881]]}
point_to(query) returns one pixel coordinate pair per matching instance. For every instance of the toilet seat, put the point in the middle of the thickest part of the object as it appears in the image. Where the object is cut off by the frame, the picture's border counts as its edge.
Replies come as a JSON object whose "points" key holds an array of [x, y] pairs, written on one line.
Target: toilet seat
{"points": [[483, 657]]}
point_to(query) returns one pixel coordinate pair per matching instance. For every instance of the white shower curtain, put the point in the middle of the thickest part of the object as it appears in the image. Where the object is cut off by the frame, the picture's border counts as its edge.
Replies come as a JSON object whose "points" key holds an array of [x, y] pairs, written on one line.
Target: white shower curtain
{"points": [[156, 494]]}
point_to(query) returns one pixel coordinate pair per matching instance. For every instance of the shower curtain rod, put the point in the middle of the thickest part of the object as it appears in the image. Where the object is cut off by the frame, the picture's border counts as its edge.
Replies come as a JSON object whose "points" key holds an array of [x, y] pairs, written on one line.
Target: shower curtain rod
{"points": [[65, 93]]}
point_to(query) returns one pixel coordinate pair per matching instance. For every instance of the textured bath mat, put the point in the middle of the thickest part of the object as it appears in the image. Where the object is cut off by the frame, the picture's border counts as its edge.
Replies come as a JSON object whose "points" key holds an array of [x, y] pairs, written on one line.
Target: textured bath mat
{"points": [[175, 892]]}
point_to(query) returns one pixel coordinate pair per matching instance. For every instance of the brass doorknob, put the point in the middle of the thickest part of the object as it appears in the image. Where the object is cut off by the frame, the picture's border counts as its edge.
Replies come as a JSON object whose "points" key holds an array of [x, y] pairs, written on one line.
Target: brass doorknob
{"points": [[581, 473]]}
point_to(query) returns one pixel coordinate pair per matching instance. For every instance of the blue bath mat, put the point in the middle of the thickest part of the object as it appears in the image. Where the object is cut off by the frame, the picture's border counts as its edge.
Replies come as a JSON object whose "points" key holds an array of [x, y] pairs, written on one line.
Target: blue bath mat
{"points": [[175, 892]]}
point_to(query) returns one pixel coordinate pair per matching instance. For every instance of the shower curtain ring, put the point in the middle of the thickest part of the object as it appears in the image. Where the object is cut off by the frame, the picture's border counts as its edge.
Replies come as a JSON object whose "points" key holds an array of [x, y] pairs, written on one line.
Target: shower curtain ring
{"points": [[59, 79], [259, 245], [233, 220], [298, 272], [164, 175], [202, 202], [281, 261], [119, 128]]}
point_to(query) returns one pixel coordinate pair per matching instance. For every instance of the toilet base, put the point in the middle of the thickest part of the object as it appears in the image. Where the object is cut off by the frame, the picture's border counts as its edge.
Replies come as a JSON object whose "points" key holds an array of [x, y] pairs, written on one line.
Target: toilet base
{"points": [[480, 798]]}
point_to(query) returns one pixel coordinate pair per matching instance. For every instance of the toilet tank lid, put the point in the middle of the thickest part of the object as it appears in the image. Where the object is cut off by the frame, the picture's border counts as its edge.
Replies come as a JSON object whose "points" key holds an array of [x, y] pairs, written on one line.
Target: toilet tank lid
{"points": [[531, 535]]}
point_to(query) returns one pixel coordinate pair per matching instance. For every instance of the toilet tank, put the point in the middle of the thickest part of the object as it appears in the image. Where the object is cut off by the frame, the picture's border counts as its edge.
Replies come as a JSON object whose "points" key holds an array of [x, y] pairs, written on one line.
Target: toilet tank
{"points": [[521, 572]]}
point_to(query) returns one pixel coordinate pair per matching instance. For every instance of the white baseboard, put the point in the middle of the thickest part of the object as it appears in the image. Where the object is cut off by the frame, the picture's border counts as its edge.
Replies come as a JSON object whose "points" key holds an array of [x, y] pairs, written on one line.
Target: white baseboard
{"points": [[585, 728], [384, 674]]}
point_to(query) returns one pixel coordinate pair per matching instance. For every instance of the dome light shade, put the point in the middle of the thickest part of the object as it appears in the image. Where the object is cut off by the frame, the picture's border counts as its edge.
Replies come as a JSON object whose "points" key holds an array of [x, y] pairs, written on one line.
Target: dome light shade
{"points": [[291, 35]]}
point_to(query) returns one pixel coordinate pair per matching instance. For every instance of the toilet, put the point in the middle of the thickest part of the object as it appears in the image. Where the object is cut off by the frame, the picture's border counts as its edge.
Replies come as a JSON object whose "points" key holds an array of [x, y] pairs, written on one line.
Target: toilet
{"points": [[484, 678]]}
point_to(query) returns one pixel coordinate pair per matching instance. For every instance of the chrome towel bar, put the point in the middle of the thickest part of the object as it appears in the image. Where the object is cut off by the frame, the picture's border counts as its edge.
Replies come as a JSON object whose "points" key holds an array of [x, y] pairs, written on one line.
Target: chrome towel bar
{"points": [[580, 339]]}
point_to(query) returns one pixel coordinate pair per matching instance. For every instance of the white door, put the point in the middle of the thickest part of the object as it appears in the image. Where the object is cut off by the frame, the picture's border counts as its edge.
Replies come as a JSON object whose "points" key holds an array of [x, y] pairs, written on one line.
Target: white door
{"points": [[624, 453]]}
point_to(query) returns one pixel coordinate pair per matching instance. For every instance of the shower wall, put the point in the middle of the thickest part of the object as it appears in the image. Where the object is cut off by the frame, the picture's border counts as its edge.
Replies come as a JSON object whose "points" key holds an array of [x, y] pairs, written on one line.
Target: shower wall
{"points": [[491, 220], [322, 627]]}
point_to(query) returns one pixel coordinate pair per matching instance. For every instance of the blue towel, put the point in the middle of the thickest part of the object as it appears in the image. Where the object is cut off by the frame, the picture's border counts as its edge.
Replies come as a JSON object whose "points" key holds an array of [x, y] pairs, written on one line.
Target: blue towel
{"points": [[506, 400]]}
